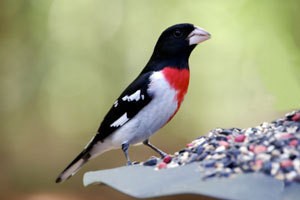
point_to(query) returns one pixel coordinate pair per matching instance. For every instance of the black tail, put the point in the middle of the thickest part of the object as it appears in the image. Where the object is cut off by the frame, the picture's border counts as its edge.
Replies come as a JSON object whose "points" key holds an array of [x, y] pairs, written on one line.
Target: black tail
{"points": [[74, 166]]}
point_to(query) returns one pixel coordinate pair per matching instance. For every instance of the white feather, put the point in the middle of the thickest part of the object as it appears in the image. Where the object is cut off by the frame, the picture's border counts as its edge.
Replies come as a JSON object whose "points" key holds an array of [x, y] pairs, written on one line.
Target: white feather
{"points": [[134, 97], [119, 122]]}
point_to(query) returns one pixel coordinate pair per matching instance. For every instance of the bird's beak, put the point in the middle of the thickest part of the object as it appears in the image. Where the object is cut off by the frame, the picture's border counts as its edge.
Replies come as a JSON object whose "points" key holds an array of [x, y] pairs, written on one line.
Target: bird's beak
{"points": [[197, 36]]}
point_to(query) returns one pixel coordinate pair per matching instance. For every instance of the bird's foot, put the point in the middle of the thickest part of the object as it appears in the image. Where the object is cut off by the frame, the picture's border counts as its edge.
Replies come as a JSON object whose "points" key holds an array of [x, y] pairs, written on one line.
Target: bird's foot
{"points": [[163, 154], [129, 163], [132, 163]]}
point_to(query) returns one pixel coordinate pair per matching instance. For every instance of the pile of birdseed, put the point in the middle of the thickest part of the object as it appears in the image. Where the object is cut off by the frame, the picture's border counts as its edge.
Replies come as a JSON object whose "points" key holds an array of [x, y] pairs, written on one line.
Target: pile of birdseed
{"points": [[272, 148]]}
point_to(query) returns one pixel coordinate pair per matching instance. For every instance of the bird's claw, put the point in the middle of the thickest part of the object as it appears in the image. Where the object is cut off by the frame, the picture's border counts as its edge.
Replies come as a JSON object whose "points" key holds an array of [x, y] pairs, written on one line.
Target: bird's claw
{"points": [[163, 155], [129, 163]]}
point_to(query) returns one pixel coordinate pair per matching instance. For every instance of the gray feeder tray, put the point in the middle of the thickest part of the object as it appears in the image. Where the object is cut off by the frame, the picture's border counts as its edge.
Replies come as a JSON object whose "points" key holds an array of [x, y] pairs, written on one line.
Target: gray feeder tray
{"points": [[144, 182]]}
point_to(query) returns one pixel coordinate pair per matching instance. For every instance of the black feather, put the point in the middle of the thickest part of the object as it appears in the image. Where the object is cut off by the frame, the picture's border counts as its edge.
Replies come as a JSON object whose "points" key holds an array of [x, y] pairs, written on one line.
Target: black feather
{"points": [[130, 107]]}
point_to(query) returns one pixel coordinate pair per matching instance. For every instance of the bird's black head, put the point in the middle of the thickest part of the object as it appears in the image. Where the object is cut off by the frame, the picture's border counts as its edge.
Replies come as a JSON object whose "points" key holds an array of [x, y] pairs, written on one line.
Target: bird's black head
{"points": [[179, 40], [176, 43]]}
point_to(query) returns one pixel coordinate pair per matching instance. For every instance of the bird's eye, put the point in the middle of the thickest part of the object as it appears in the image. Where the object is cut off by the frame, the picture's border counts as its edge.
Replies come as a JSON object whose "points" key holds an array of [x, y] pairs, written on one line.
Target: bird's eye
{"points": [[177, 33]]}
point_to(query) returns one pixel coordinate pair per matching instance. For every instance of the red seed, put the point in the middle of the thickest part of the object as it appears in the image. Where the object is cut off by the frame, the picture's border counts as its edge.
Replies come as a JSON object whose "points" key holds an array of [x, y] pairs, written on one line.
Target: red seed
{"points": [[293, 142], [259, 149], [224, 143], [240, 138], [167, 159], [286, 163], [259, 162], [229, 137], [296, 117], [189, 145], [251, 147], [285, 136], [162, 165]]}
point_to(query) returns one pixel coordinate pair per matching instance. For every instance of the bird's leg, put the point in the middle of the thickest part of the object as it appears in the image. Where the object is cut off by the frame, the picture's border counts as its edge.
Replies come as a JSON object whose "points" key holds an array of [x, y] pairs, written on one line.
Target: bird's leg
{"points": [[160, 152], [125, 147]]}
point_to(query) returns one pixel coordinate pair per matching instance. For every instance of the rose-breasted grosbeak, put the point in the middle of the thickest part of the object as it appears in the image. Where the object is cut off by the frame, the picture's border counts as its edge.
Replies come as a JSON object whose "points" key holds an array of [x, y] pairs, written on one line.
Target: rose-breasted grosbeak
{"points": [[150, 101]]}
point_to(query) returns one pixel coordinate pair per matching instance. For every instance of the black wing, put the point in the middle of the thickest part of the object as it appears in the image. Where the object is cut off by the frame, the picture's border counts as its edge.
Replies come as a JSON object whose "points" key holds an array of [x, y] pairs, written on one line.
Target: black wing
{"points": [[130, 102]]}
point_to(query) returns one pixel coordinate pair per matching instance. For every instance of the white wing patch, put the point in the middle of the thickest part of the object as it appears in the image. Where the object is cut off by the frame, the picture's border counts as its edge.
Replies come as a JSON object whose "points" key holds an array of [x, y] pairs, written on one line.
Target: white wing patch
{"points": [[134, 97], [116, 103], [119, 122]]}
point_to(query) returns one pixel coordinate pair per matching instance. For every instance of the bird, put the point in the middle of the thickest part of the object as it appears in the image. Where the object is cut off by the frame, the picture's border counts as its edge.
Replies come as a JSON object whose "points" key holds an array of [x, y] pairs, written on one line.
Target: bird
{"points": [[149, 102]]}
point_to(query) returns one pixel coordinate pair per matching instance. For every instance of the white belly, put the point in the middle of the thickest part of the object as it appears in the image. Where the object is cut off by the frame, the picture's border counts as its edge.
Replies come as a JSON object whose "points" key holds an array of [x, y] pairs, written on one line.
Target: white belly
{"points": [[156, 114]]}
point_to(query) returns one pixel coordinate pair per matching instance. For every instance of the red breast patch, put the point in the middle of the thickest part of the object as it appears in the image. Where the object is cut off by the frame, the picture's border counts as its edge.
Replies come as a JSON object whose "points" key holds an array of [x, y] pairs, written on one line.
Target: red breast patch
{"points": [[179, 80]]}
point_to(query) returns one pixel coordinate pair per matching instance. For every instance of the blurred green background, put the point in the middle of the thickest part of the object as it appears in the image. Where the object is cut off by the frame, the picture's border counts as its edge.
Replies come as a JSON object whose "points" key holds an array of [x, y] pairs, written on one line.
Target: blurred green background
{"points": [[64, 62]]}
